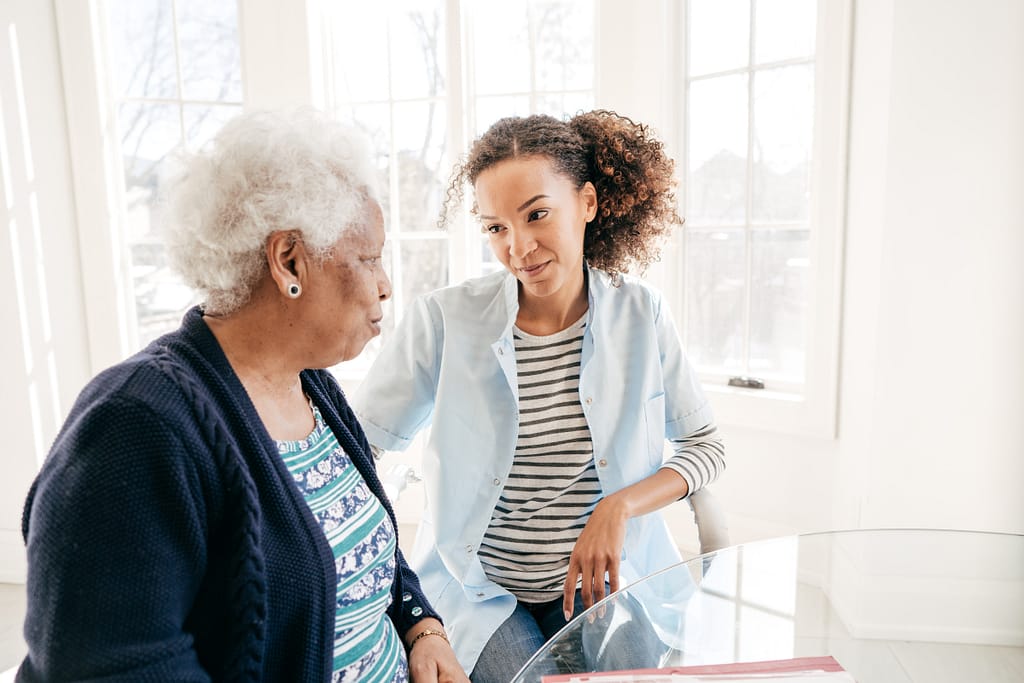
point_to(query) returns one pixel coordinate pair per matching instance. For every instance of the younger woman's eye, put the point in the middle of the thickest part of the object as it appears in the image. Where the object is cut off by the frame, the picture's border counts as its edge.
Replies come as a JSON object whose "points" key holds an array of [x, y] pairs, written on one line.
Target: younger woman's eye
{"points": [[493, 229], [537, 214]]}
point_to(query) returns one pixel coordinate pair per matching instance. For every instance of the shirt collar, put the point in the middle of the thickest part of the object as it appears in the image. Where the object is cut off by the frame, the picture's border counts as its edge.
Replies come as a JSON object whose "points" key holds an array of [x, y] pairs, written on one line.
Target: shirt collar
{"points": [[596, 286]]}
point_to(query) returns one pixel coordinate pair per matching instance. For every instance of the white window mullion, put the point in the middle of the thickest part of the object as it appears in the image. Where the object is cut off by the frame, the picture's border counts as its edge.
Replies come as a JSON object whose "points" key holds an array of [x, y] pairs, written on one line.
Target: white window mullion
{"points": [[179, 82], [97, 180], [463, 258], [748, 218], [279, 53]]}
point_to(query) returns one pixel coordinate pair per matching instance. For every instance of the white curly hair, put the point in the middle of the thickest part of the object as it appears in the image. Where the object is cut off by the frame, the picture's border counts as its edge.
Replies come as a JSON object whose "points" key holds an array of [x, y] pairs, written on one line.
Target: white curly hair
{"points": [[265, 171]]}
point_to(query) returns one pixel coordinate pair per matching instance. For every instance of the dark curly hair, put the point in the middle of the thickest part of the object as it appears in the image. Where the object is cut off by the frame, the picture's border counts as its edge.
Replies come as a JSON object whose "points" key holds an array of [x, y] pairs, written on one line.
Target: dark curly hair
{"points": [[628, 167]]}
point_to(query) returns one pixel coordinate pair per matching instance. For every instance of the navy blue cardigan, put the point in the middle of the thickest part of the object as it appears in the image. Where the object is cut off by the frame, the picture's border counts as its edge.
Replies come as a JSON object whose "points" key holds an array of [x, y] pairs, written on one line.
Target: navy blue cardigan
{"points": [[167, 541]]}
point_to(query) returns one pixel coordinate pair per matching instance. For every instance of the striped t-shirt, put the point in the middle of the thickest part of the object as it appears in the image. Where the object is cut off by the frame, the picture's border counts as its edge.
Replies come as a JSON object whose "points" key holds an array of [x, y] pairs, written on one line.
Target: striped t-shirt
{"points": [[359, 530], [553, 487]]}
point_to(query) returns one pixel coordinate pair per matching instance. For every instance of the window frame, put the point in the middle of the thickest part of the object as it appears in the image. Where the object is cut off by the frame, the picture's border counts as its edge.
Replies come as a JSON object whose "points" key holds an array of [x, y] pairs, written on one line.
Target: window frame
{"points": [[810, 410], [97, 182]]}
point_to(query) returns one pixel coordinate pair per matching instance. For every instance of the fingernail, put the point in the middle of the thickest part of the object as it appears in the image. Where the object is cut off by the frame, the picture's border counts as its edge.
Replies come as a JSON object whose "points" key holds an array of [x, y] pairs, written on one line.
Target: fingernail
{"points": [[568, 615]]}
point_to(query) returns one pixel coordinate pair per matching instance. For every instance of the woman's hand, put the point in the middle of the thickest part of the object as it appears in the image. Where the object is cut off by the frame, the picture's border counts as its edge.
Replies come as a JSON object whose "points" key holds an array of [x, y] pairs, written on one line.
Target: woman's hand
{"points": [[432, 659], [596, 554], [599, 547]]}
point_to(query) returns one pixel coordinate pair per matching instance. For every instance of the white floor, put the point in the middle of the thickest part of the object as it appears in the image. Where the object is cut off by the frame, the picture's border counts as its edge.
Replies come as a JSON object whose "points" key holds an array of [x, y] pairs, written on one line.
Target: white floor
{"points": [[12, 615]]}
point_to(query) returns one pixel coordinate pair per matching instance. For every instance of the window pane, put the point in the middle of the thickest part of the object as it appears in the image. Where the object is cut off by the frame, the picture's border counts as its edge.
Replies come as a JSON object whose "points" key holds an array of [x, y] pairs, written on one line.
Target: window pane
{"points": [[574, 103], [501, 54], [142, 48], [783, 131], [420, 144], [488, 261], [424, 266], [778, 303], [564, 106], [210, 52], [564, 54], [149, 132], [417, 51], [374, 121], [161, 298], [716, 276], [784, 29], [203, 121], [718, 35], [359, 365], [490, 109], [717, 157], [359, 51], [387, 325]]}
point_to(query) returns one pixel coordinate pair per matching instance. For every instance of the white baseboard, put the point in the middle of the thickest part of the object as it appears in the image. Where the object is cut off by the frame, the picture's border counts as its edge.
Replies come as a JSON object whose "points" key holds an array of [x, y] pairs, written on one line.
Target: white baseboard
{"points": [[13, 562]]}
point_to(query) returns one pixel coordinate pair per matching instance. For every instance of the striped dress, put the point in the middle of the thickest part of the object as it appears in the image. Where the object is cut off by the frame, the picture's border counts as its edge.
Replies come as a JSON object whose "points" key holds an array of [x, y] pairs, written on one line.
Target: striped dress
{"points": [[553, 486], [366, 645]]}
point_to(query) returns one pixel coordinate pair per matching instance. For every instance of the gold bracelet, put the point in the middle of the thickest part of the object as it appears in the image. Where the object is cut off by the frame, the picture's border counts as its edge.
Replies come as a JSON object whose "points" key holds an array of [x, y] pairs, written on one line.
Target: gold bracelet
{"points": [[428, 632]]}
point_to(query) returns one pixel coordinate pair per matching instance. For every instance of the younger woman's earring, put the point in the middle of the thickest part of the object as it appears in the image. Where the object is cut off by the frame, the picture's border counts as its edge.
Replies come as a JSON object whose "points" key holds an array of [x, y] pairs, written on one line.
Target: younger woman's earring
{"points": [[294, 290]]}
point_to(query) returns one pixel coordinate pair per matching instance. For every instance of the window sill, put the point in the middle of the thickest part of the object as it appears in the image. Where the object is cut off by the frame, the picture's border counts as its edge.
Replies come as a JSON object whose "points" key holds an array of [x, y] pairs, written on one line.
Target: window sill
{"points": [[773, 411]]}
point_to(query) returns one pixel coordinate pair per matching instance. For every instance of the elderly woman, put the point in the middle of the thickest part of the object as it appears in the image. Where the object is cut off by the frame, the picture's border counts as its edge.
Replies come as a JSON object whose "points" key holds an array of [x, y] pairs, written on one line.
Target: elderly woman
{"points": [[210, 510]]}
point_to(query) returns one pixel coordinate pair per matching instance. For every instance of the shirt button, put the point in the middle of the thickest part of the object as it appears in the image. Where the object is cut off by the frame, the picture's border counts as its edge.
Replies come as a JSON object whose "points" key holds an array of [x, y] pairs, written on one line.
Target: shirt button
{"points": [[497, 481], [479, 595], [501, 351], [416, 611], [602, 463], [589, 400], [469, 548], [406, 597]]}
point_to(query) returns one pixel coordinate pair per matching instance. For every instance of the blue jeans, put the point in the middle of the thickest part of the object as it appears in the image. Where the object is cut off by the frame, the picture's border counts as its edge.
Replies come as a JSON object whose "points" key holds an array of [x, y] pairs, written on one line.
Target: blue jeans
{"points": [[630, 644]]}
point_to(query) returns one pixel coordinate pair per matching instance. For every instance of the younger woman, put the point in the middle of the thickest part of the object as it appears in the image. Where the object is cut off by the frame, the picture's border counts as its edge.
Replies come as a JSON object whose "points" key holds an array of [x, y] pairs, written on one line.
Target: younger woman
{"points": [[550, 389]]}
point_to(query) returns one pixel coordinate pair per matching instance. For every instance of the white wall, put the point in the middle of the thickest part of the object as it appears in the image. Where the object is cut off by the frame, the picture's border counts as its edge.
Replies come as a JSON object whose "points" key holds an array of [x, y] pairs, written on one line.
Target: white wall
{"points": [[934, 321], [932, 374], [43, 353], [932, 370]]}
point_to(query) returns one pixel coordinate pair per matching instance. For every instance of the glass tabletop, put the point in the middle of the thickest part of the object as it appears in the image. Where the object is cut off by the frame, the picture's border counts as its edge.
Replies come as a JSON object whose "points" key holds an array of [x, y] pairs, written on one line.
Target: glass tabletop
{"points": [[893, 606]]}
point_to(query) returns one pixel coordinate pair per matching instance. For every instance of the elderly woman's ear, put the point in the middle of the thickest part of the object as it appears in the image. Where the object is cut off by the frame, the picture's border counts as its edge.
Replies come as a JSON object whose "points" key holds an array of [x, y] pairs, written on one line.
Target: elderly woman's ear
{"points": [[287, 261]]}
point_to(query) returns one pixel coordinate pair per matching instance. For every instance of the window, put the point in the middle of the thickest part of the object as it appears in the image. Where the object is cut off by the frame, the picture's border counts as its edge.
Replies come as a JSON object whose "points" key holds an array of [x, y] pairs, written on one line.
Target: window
{"points": [[422, 79], [762, 139], [176, 78], [749, 95]]}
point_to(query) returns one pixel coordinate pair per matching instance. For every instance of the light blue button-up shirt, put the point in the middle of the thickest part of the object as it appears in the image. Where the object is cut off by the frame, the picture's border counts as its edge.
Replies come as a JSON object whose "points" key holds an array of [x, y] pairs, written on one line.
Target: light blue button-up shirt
{"points": [[451, 366]]}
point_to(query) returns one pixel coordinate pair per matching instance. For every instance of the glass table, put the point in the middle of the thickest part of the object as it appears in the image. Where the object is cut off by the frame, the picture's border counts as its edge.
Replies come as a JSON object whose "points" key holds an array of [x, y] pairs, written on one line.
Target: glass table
{"points": [[890, 605]]}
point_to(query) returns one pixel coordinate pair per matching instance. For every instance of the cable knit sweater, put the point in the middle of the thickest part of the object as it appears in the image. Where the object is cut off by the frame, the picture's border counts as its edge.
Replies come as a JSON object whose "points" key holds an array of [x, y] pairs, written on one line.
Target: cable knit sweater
{"points": [[167, 541]]}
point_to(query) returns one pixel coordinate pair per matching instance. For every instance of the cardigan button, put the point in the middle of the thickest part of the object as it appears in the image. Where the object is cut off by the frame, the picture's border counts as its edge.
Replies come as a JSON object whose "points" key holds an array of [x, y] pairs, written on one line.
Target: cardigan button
{"points": [[406, 597], [416, 611]]}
